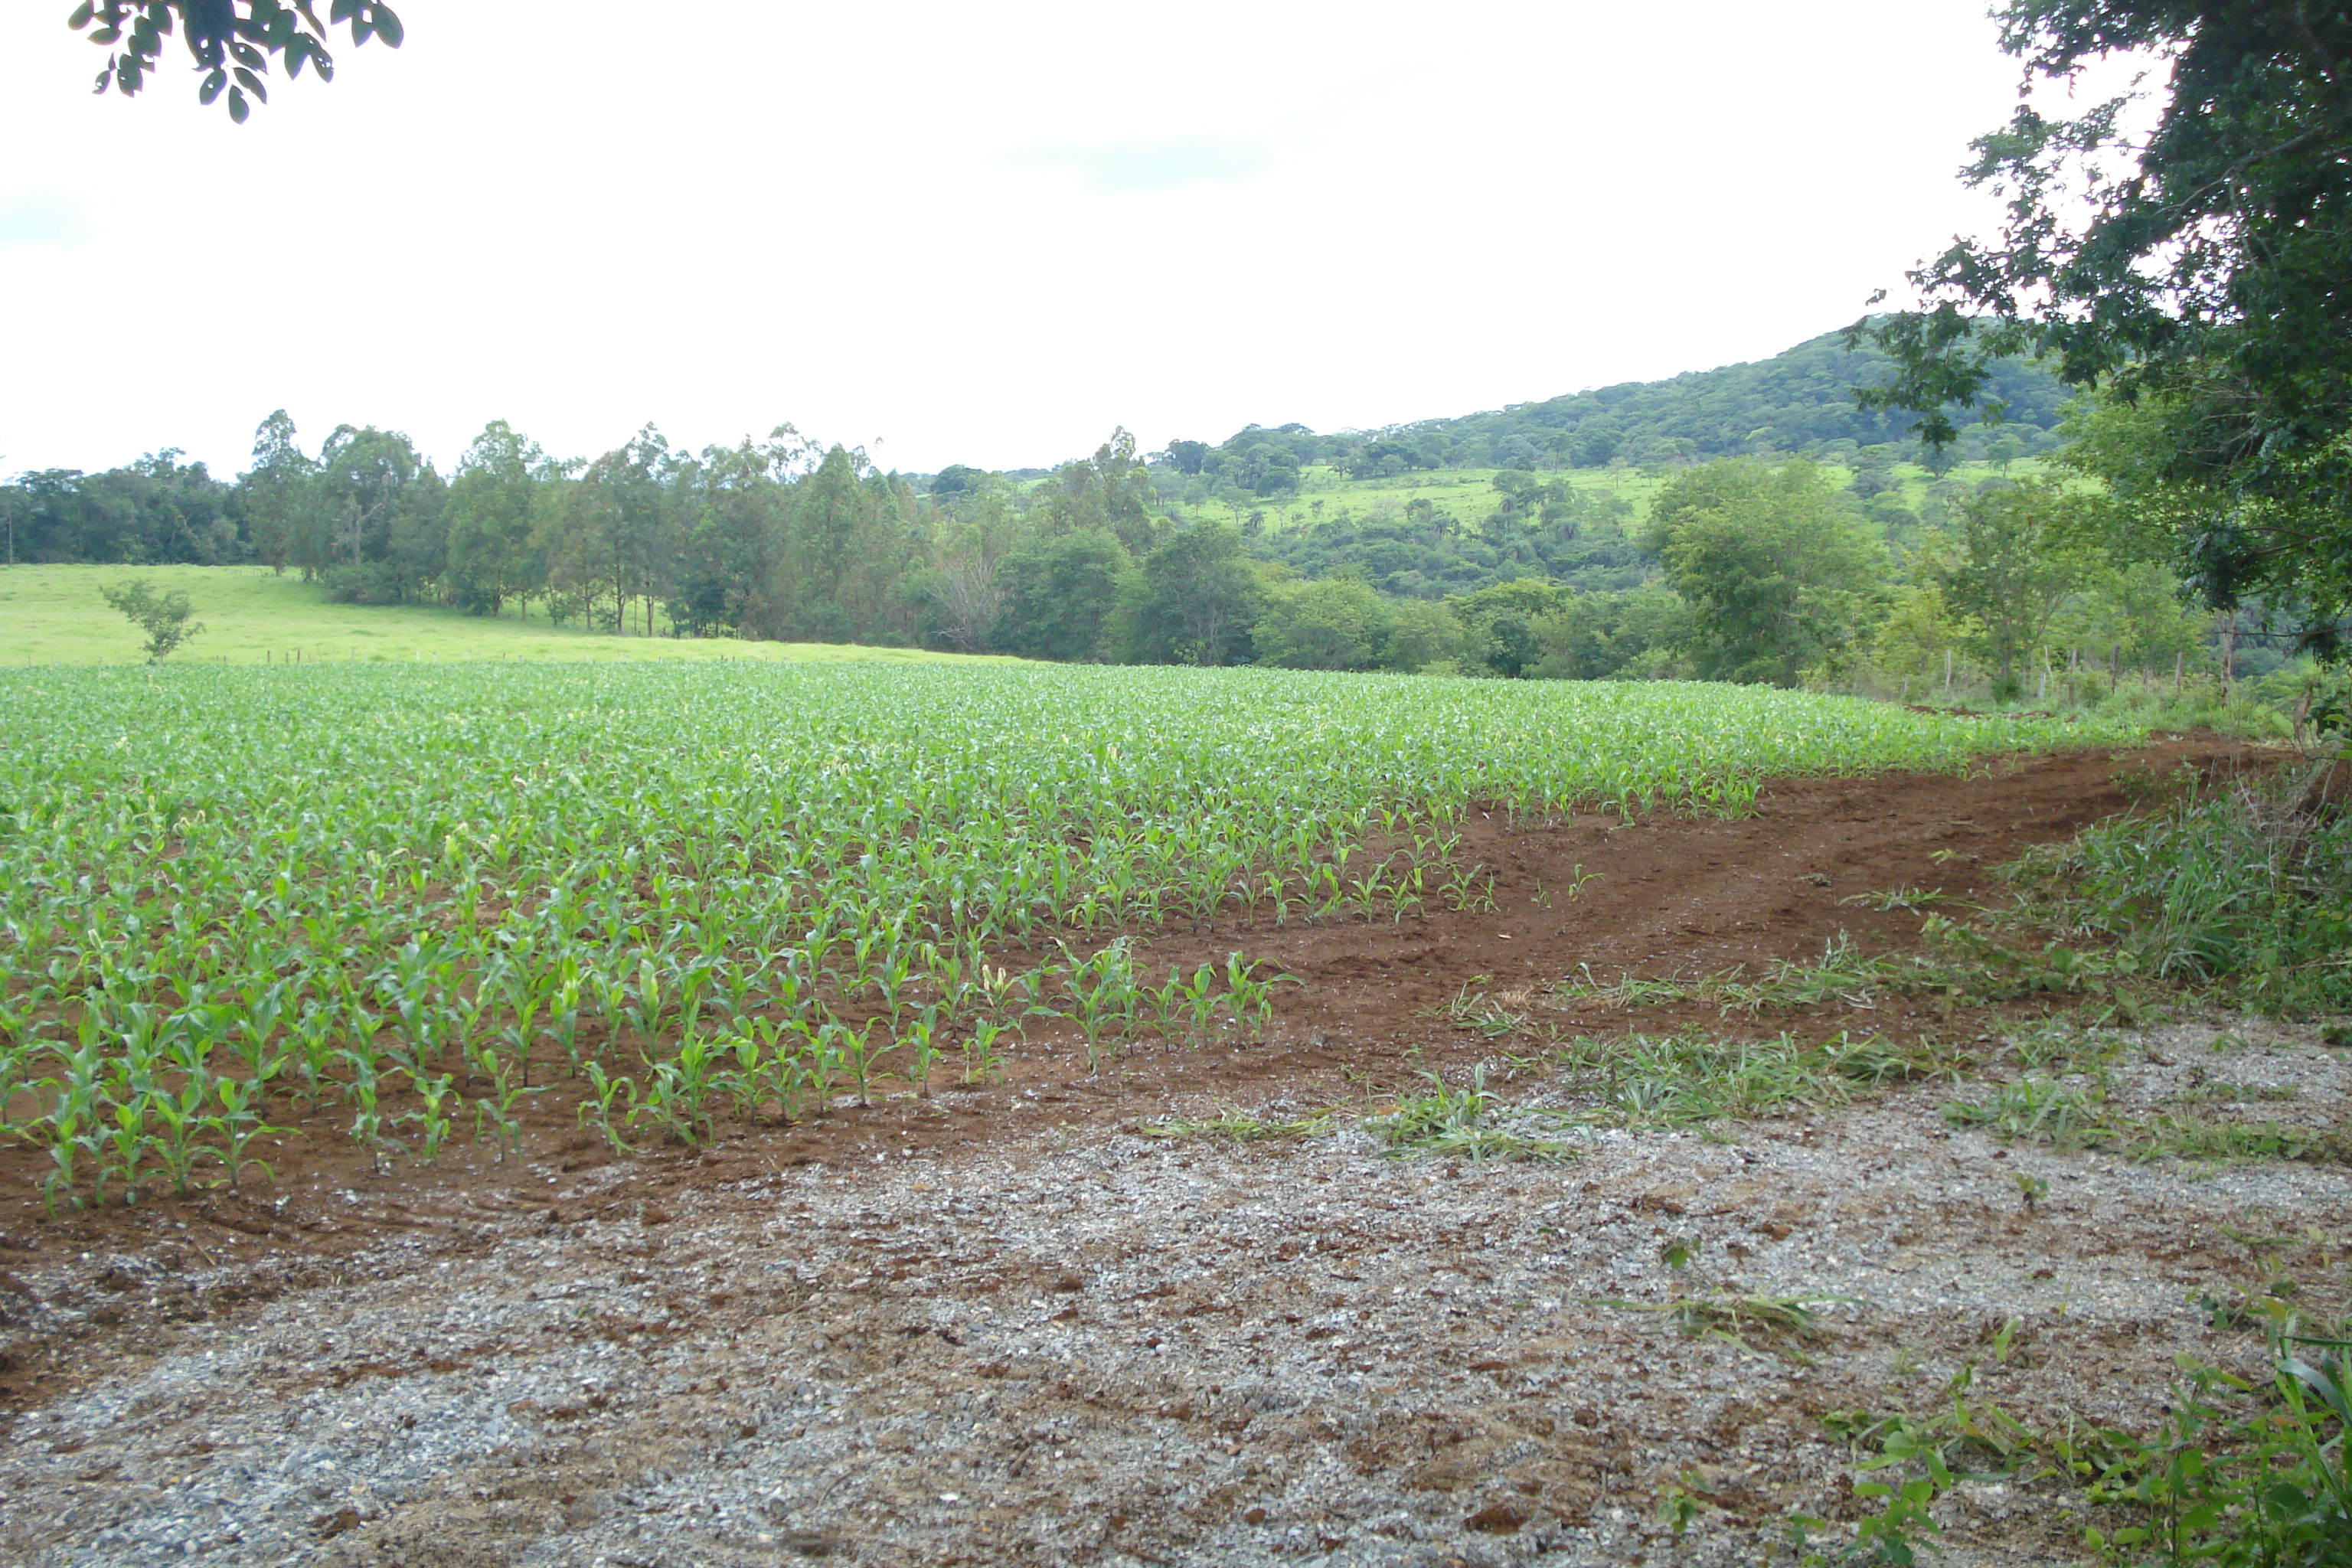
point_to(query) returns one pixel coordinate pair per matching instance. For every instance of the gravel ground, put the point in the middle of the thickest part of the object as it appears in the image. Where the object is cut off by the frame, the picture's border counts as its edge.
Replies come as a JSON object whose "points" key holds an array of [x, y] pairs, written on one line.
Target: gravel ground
{"points": [[1088, 1346]]}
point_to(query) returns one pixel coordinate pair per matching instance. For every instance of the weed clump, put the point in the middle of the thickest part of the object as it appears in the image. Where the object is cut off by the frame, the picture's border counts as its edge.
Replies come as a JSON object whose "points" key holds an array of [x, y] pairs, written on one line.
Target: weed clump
{"points": [[1456, 1121], [2246, 888]]}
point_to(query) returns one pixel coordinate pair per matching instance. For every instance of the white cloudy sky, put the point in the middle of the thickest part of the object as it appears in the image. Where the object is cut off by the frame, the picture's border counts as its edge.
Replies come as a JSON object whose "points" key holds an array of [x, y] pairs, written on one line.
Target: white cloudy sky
{"points": [[962, 233]]}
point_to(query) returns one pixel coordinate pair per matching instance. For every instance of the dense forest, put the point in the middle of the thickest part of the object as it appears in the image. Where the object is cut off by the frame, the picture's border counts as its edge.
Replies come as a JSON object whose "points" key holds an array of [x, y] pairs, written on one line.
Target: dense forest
{"points": [[1813, 569]]}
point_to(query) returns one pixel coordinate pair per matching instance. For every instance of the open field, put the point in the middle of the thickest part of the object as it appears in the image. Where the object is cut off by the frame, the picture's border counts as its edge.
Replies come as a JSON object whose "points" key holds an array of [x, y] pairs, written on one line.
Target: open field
{"points": [[738, 1114], [53, 614]]}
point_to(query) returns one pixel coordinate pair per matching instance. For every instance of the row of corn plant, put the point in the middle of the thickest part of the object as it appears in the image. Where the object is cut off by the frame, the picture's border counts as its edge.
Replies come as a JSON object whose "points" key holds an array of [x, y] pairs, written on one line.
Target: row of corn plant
{"points": [[412, 902]]}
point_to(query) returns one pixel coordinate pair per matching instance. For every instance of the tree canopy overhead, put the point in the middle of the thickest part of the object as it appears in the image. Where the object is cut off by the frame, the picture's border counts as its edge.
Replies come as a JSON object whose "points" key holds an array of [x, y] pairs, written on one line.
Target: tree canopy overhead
{"points": [[232, 42], [2185, 249]]}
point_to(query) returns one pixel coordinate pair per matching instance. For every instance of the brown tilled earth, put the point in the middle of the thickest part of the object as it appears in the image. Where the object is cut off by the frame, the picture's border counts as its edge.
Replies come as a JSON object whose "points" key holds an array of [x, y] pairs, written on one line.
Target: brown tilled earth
{"points": [[999, 1324]]}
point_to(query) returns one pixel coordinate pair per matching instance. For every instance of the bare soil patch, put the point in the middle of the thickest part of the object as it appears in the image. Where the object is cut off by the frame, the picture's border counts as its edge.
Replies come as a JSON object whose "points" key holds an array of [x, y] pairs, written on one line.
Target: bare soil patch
{"points": [[999, 1325]]}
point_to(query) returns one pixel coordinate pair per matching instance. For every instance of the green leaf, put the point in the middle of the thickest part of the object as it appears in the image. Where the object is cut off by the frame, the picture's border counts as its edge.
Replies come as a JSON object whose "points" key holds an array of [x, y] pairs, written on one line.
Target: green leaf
{"points": [[211, 89], [238, 109], [252, 84], [80, 18], [388, 28]]}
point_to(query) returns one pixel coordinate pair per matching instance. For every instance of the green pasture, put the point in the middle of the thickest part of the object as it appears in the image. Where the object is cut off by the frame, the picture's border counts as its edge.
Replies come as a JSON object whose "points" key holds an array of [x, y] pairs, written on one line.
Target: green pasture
{"points": [[53, 614], [1469, 494]]}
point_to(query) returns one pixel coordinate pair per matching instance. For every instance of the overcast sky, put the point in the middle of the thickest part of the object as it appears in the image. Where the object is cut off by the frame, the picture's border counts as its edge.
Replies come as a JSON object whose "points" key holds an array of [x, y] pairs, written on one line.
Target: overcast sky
{"points": [[956, 233]]}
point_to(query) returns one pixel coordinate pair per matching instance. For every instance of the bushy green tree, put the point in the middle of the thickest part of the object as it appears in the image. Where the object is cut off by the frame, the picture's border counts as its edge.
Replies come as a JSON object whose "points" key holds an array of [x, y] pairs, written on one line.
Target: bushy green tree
{"points": [[1501, 622], [1192, 601], [503, 484], [1631, 634], [1780, 575], [1059, 595], [370, 485], [2020, 555], [1110, 491], [1327, 623], [162, 618], [1424, 634]]}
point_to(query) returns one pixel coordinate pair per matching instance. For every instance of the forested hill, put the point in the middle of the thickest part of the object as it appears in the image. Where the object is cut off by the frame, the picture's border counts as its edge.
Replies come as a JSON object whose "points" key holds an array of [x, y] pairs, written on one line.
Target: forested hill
{"points": [[1801, 401]]}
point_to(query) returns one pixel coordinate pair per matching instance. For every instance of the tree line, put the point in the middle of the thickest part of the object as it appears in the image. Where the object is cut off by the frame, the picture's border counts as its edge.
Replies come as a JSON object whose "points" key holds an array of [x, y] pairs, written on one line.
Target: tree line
{"points": [[1743, 569]]}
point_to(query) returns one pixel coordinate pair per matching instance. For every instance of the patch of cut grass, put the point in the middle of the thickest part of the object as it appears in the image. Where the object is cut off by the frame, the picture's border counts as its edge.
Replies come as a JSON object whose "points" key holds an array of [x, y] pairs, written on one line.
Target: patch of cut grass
{"points": [[1696, 1080], [1233, 1125], [2076, 1116], [1782, 1321]]}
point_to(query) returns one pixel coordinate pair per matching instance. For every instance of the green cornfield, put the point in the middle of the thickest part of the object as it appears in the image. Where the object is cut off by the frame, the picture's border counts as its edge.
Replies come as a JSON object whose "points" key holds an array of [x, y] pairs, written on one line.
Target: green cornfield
{"points": [[405, 901]]}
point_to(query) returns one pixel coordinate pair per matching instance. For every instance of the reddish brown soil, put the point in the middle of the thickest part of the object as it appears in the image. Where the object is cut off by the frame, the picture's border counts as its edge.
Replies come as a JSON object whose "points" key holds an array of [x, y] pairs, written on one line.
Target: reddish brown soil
{"points": [[1660, 896]]}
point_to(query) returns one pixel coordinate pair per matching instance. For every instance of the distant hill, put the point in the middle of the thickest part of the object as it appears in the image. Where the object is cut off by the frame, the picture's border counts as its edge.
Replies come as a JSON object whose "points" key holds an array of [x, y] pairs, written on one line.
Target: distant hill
{"points": [[1800, 401]]}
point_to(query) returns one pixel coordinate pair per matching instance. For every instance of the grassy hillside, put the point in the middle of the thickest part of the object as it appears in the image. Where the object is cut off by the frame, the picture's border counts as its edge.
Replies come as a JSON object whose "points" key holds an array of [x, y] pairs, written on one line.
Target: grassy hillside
{"points": [[53, 614], [1469, 494]]}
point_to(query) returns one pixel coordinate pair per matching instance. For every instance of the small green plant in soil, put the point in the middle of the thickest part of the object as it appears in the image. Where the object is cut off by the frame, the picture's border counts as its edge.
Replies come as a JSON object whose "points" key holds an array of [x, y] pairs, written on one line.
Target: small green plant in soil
{"points": [[1461, 1122], [2241, 1474], [1783, 1321]]}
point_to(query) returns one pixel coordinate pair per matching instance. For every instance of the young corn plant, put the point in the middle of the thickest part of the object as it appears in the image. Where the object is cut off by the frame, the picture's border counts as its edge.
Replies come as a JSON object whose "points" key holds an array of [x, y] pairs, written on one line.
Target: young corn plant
{"points": [[235, 1120], [612, 1105], [1103, 998]]}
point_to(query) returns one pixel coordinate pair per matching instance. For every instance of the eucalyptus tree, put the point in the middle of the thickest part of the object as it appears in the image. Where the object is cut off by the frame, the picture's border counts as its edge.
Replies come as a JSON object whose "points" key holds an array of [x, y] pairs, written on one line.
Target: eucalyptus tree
{"points": [[504, 484], [272, 494]]}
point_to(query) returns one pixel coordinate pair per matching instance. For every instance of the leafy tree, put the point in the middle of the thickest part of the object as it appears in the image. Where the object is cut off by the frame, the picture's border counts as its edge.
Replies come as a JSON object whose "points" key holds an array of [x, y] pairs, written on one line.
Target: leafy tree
{"points": [[1423, 634], [1501, 622], [1920, 631], [1110, 491], [231, 41], [155, 509], [1779, 574], [2019, 558], [494, 504], [608, 541], [729, 573], [1611, 635], [844, 546], [162, 619], [967, 593], [272, 493], [1331, 622], [1059, 595], [1193, 601], [362, 475], [2194, 273]]}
